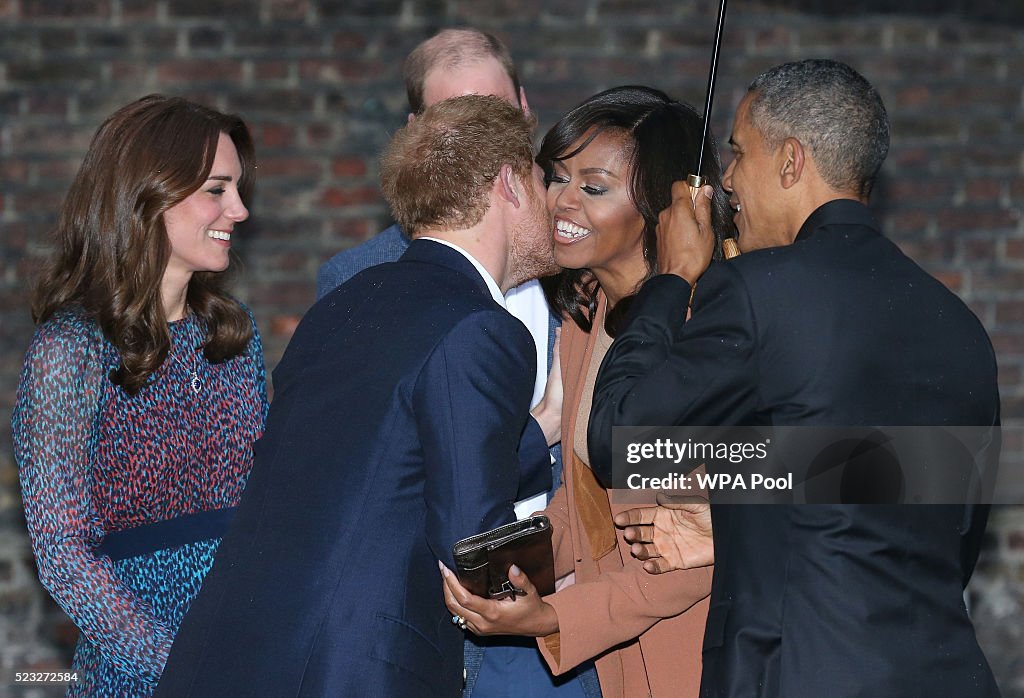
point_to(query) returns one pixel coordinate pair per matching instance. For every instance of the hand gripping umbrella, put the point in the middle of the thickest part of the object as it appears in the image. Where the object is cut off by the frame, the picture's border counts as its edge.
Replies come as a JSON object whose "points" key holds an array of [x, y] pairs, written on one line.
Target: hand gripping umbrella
{"points": [[696, 181]]}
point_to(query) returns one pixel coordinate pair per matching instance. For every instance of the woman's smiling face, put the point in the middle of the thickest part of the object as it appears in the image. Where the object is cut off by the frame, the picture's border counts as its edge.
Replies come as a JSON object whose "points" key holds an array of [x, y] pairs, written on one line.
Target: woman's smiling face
{"points": [[596, 224]]}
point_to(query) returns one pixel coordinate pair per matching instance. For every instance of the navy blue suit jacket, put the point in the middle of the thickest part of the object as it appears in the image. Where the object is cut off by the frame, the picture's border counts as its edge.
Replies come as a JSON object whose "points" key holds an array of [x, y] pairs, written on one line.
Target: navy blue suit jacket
{"points": [[387, 246], [840, 328], [400, 424]]}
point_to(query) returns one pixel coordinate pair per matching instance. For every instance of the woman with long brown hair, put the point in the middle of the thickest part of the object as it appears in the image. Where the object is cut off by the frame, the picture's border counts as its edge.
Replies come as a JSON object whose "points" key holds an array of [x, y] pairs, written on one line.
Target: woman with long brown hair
{"points": [[143, 389]]}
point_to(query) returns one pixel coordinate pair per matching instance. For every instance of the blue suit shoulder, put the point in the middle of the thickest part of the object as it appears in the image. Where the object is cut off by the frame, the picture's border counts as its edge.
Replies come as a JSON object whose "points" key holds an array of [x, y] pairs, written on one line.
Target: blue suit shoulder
{"points": [[386, 246]]}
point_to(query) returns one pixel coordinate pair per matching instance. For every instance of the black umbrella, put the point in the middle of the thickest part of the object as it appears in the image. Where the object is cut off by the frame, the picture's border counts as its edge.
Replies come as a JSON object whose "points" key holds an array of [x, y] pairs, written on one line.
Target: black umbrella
{"points": [[696, 180]]}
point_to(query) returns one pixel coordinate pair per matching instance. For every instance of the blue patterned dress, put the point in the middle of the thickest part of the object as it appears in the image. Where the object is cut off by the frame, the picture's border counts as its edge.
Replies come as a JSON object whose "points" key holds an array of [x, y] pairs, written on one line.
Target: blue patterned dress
{"points": [[97, 464]]}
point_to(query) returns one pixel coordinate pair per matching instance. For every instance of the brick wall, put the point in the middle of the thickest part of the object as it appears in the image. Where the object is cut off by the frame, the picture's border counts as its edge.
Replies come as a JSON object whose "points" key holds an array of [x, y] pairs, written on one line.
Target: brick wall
{"points": [[319, 82]]}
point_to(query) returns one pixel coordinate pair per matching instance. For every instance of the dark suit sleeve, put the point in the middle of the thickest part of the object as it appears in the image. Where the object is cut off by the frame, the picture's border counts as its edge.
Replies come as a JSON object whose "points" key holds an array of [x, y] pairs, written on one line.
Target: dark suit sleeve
{"points": [[664, 371], [535, 467], [471, 405]]}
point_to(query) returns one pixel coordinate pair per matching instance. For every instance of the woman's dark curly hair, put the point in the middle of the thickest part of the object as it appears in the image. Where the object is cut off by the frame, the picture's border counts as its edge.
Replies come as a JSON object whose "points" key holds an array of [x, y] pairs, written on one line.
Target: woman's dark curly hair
{"points": [[665, 135]]}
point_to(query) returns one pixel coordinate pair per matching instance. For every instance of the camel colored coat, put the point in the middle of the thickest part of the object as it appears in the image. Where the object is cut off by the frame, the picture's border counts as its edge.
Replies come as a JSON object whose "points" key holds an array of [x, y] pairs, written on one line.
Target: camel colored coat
{"points": [[645, 630]]}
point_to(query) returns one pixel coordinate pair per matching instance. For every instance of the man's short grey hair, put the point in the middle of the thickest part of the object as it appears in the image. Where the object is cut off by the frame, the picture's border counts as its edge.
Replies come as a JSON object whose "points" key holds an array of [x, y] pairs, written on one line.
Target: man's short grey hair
{"points": [[833, 111]]}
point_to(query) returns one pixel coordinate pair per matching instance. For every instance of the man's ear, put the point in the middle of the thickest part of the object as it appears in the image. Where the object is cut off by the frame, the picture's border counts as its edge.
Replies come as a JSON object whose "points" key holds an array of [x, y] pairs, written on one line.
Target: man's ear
{"points": [[410, 118], [509, 186], [793, 160], [522, 100]]}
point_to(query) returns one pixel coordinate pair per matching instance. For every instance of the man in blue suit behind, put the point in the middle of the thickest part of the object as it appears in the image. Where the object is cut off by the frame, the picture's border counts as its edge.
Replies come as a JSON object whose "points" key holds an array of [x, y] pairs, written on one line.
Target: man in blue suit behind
{"points": [[400, 424]]}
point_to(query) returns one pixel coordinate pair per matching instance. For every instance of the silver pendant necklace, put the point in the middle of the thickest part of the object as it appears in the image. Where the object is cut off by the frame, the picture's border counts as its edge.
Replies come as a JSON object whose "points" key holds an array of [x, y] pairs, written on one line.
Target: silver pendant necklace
{"points": [[194, 381]]}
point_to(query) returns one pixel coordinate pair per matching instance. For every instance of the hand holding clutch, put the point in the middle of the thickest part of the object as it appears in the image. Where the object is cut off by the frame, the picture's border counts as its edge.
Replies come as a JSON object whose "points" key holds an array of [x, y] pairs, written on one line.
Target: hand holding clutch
{"points": [[483, 561], [528, 615]]}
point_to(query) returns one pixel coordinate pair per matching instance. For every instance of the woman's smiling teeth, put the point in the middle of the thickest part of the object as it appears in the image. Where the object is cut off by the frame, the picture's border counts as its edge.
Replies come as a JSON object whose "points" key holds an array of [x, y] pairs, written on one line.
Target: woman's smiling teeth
{"points": [[219, 235], [570, 231]]}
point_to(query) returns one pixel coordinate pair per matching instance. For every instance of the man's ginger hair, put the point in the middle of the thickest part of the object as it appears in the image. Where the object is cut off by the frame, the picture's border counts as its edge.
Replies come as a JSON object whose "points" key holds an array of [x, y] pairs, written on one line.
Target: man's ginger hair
{"points": [[437, 171]]}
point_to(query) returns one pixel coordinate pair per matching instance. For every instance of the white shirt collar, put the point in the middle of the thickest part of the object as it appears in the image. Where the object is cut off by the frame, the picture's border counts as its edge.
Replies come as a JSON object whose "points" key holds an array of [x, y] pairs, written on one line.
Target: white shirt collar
{"points": [[492, 285]]}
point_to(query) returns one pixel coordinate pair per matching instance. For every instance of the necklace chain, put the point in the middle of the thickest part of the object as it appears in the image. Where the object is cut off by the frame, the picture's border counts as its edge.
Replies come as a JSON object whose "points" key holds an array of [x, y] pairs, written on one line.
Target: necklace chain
{"points": [[194, 381]]}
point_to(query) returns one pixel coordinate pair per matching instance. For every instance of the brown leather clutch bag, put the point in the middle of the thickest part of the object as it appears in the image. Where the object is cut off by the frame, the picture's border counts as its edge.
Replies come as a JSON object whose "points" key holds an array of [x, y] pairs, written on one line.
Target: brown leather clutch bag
{"points": [[482, 561]]}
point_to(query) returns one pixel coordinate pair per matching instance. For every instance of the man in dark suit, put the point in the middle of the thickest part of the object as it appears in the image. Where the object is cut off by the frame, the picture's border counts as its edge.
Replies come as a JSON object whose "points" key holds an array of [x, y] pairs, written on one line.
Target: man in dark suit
{"points": [[450, 63], [400, 425], [822, 322]]}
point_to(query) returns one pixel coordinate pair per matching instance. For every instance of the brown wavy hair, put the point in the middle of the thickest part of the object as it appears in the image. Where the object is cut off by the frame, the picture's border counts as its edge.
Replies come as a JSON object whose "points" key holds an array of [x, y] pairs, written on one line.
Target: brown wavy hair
{"points": [[112, 246]]}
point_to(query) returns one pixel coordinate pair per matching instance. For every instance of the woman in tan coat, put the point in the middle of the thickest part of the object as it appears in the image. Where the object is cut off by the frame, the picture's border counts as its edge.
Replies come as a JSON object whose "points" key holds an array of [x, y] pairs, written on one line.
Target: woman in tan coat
{"points": [[610, 164]]}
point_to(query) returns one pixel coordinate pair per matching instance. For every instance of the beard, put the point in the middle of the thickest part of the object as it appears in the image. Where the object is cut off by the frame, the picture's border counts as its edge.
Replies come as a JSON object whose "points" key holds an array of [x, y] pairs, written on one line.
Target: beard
{"points": [[531, 248]]}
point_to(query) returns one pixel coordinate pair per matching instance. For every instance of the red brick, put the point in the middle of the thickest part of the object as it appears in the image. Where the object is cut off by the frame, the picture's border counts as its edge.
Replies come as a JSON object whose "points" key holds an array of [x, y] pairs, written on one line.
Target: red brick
{"points": [[272, 135], [347, 71], [953, 280], [237, 10], [134, 10], [611, 11], [47, 103], [52, 72], [288, 261], [978, 157], [925, 126], [349, 196], [349, 41], [155, 38], [32, 139], [977, 250], [919, 191], [270, 70], [284, 294], [288, 9], [1007, 342], [1017, 189], [58, 170], [321, 134], [199, 71], [914, 96], [288, 166], [1015, 249], [1007, 280], [1010, 375], [1015, 541], [357, 229], [284, 102], [129, 71], [910, 157], [989, 219], [983, 190], [272, 41], [897, 66], [72, 9], [284, 325], [13, 170], [846, 33], [39, 201], [908, 222], [929, 250], [767, 38], [348, 167], [349, 9], [1009, 312]]}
